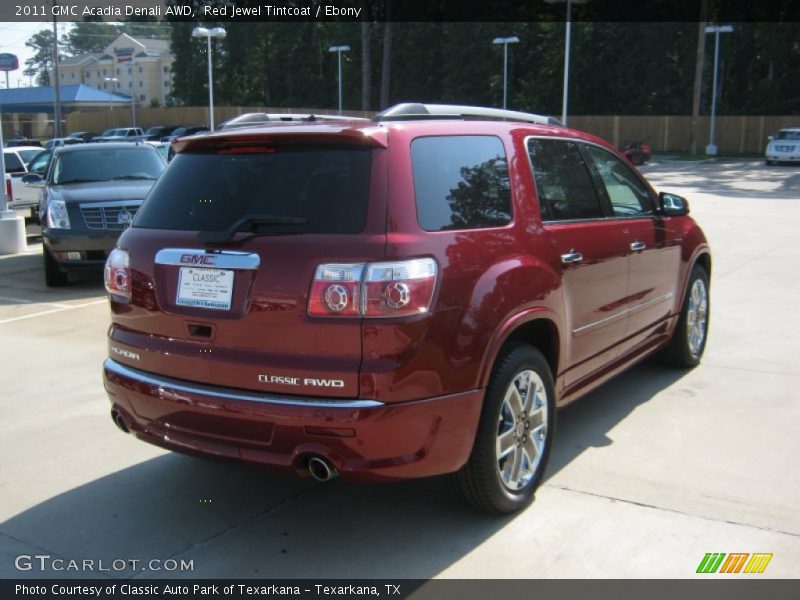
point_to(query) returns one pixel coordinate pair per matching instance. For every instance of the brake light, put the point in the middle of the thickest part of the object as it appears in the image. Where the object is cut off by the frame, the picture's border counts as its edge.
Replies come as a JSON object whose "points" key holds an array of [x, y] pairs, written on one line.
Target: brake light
{"points": [[380, 289], [117, 276], [8, 190], [336, 290]]}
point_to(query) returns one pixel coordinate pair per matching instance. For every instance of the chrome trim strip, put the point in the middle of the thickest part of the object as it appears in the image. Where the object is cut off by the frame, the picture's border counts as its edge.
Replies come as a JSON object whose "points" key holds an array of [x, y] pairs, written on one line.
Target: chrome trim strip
{"points": [[111, 204], [223, 259], [634, 309], [593, 324], [625, 313], [168, 384]]}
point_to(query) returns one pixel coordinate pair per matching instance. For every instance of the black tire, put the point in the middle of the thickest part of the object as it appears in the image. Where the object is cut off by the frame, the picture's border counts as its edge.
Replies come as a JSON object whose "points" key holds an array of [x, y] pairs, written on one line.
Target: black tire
{"points": [[769, 162], [680, 352], [480, 483], [53, 276]]}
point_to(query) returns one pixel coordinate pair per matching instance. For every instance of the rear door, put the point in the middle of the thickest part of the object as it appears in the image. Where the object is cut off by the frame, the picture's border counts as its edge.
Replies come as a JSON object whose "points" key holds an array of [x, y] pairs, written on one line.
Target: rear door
{"points": [[234, 312], [593, 251]]}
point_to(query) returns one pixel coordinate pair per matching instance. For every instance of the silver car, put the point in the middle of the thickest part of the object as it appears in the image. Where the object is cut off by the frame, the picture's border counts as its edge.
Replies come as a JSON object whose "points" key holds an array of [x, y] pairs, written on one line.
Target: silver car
{"points": [[784, 146]]}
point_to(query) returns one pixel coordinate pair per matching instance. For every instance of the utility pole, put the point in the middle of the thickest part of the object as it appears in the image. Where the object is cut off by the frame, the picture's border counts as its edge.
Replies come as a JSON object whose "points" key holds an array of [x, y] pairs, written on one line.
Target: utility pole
{"points": [[56, 90]]}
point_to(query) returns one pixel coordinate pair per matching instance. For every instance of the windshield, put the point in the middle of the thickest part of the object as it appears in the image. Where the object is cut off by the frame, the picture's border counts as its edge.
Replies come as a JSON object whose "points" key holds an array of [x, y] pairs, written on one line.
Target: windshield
{"points": [[788, 135], [100, 164], [27, 155], [327, 188], [180, 131]]}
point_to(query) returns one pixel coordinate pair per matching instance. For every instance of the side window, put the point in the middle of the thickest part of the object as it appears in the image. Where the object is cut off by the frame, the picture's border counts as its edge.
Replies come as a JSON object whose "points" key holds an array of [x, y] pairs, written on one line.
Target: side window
{"points": [[39, 163], [563, 182], [626, 192], [461, 182], [13, 163]]}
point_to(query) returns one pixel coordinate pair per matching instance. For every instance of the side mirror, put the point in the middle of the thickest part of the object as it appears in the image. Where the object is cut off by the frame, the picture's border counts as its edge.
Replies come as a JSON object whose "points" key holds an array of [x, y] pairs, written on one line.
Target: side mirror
{"points": [[770, 138], [32, 179], [672, 205]]}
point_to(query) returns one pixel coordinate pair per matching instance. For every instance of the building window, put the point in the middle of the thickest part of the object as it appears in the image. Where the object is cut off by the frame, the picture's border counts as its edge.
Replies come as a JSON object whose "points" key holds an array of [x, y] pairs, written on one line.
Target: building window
{"points": [[62, 76], [73, 74], [130, 84], [140, 70], [130, 70], [105, 85], [166, 84], [104, 71], [98, 73], [141, 83], [166, 70], [143, 97]]}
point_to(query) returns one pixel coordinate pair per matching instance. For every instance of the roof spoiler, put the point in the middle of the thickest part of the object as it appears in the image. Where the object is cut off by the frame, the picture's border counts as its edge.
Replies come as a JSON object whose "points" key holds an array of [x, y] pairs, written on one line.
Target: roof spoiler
{"points": [[412, 111]]}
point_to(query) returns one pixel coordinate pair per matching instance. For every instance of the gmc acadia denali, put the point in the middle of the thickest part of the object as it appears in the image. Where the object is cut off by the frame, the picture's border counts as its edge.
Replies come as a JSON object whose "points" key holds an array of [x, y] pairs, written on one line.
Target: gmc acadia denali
{"points": [[410, 296]]}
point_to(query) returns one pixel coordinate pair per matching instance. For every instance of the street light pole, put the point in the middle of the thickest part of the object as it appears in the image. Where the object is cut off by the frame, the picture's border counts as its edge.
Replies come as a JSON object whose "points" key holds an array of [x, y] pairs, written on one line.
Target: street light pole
{"points": [[111, 80], [133, 95], [505, 41], [712, 149], [339, 50], [567, 49], [216, 32]]}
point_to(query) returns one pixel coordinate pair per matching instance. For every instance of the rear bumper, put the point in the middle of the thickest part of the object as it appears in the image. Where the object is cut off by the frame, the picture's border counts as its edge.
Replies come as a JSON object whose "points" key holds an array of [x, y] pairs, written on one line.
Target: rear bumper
{"points": [[365, 440]]}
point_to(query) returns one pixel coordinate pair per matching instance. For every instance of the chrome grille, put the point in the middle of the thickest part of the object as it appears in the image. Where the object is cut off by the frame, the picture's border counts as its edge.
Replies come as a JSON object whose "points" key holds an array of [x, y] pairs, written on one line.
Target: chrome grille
{"points": [[784, 148], [110, 216]]}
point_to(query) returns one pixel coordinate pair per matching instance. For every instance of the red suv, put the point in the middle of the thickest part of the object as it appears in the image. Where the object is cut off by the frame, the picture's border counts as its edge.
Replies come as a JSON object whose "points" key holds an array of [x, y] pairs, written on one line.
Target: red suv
{"points": [[398, 298]]}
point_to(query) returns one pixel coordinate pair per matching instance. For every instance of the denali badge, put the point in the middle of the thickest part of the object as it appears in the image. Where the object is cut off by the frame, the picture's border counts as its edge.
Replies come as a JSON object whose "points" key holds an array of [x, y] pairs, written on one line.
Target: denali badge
{"points": [[125, 353], [198, 259], [311, 381]]}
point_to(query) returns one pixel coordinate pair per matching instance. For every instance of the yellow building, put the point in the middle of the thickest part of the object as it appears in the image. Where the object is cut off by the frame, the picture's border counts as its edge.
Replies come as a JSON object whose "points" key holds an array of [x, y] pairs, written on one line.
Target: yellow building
{"points": [[135, 66]]}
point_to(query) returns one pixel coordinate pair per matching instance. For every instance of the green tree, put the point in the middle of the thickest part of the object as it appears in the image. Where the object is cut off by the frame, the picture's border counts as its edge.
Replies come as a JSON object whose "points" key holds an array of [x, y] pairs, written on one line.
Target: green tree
{"points": [[42, 60]]}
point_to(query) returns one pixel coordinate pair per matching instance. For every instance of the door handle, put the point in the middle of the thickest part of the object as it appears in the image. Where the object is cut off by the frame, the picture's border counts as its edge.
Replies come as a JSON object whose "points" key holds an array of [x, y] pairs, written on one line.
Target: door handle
{"points": [[571, 257], [638, 246]]}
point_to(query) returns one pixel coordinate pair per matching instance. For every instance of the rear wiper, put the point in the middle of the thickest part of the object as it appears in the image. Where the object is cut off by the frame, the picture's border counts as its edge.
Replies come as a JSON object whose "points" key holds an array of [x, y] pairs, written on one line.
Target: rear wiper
{"points": [[246, 223]]}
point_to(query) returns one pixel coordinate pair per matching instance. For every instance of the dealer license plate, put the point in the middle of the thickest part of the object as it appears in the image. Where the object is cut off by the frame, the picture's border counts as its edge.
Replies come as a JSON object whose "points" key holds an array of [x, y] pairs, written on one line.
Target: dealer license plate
{"points": [[205, 288]]}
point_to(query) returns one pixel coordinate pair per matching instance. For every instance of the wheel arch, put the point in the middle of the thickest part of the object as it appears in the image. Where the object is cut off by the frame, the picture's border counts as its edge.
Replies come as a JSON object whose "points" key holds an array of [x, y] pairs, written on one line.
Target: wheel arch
{"points": [[535, 327]]}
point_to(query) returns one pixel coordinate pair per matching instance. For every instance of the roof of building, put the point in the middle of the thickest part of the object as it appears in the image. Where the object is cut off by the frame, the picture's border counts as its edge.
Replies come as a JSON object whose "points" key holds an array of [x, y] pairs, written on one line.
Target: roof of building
{"points": [[142, 46], [40, 99]]}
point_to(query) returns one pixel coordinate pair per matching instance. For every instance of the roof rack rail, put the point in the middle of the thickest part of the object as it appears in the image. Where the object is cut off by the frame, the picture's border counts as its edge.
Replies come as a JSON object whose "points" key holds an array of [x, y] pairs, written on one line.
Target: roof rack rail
{"points": [[256, 119], [412, 111]]}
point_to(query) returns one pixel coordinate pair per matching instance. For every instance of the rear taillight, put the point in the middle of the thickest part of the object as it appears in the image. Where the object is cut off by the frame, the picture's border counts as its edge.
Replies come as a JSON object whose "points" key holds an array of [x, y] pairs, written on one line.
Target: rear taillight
{"points": [[380, 289], [336, 291], [8, 190], [117, 276]]}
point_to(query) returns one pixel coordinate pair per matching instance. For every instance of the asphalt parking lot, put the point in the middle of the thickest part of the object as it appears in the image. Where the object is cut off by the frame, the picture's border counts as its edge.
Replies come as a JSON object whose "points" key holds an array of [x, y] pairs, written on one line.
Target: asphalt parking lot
{"points": [[649, 473]]}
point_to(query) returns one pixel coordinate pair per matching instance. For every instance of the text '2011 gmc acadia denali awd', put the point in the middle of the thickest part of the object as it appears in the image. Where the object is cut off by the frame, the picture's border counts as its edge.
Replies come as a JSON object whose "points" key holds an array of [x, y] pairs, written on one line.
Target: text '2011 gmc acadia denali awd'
{"points": [[397, 298]]}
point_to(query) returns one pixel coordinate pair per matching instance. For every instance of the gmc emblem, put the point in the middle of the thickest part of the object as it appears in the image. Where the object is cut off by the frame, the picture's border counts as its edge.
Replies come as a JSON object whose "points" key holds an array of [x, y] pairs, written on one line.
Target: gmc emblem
{"points": [[198, 259]]}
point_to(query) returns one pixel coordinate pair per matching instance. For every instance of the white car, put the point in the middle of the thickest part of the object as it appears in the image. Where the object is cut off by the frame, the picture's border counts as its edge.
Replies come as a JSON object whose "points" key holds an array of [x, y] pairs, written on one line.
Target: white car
{"points": [[18, 164], [784, 146]]}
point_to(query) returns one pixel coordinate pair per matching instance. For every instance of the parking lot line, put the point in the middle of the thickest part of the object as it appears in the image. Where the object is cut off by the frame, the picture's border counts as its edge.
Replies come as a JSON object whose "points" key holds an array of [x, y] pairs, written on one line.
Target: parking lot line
{"points": [[27, 301], [48, 312]]}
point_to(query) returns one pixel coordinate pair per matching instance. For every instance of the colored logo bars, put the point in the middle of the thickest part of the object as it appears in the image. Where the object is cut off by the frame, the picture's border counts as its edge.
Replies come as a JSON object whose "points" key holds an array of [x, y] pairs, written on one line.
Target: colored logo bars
{"points": [[716, 562]]}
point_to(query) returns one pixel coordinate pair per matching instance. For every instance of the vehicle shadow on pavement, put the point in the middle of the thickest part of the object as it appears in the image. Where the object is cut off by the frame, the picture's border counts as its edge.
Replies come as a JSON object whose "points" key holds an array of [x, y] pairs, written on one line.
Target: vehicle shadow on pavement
{"points": [[22, 282], [585, 423], [235, 521]]}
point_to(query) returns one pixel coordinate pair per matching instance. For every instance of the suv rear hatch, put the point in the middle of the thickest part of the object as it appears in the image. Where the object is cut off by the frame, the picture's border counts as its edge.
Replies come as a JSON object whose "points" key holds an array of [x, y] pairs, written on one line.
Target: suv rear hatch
{"points": [[224, 250]]}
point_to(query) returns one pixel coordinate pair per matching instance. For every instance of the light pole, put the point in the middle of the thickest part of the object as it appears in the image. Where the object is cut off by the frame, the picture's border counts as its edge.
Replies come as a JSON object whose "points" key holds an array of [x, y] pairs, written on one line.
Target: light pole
{"points": [[711, 149], [111, 80], [133, 95], [567, 44], [339, 50], [505, 41], [216, 32]]}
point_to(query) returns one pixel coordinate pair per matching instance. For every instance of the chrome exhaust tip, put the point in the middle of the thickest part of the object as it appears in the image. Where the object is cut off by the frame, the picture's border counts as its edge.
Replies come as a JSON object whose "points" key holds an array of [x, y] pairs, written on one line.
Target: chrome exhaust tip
{"points": [[119, 421], [321, 469]]}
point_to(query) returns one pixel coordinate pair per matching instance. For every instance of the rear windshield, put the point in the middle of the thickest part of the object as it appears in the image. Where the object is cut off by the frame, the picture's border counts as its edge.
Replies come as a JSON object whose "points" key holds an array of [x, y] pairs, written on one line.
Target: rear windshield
{"points": [[328, 187]]}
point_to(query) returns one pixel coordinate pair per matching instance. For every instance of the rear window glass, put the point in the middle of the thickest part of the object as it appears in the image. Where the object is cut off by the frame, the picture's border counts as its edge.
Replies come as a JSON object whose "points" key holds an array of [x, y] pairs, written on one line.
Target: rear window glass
{"points": [[13, 163], [461, 182], [328, 187]]}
